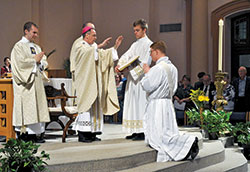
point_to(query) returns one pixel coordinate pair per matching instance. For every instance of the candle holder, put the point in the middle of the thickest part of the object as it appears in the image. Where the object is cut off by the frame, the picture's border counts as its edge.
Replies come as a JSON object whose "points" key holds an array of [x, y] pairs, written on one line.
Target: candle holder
{"points": [[219, 84]]}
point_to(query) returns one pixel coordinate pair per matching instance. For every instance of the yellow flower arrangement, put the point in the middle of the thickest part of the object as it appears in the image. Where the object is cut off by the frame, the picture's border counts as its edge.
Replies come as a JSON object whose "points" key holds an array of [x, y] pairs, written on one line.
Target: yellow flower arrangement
{"points": [[203, 98], [199, 98]]}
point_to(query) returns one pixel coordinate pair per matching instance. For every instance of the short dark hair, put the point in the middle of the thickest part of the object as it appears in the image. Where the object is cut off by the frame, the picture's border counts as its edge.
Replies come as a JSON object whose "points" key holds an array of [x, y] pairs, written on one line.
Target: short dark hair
{"points": [[142, 23], [27, 26], [159, 45], [5, 58], [186, 77], [201, 74]]}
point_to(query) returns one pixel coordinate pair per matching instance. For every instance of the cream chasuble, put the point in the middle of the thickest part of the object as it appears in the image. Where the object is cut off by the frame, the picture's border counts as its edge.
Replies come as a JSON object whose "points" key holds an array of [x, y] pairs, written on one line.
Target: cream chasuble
{"points": [[95, 86], [30, 103], [161, 130], [73, 54], [135, 96]]}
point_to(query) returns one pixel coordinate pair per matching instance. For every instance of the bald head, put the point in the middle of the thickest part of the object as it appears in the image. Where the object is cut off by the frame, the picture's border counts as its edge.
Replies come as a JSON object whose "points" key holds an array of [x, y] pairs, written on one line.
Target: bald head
{"points": [[88, 24], [242, 72]]}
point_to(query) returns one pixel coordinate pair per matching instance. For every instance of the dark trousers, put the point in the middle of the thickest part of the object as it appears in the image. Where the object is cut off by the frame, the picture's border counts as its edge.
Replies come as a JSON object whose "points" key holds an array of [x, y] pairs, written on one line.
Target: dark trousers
{"points": [[241, 104]]}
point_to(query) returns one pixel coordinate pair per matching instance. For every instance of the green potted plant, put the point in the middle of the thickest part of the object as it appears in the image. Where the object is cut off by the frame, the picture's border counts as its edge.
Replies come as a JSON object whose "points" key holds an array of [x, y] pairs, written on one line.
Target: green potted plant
{"points": [[237, 130], [17, 155], [215, 123], [242, 131]]}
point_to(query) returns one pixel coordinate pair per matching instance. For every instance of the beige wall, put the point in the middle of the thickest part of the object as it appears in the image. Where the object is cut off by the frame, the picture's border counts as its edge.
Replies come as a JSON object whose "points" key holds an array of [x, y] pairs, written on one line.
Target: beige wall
{"points": [[60, 24], [12, 15], [164, 13], [116, 17]]}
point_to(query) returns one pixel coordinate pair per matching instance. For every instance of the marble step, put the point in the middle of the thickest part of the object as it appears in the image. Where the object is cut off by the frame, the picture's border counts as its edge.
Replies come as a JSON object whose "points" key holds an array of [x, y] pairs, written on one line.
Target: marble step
{"points": [[107, 155], [234, 162], [213, 152]]}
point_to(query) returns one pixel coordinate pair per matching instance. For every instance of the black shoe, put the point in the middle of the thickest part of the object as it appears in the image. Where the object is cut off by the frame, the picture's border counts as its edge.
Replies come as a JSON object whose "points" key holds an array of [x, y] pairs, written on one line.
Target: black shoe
{"points": [[84, 137], [40, 140], [186, 157], [84, 140], [195, 148], [96, 139], [131, 136], [23, 136], [138, 137]]}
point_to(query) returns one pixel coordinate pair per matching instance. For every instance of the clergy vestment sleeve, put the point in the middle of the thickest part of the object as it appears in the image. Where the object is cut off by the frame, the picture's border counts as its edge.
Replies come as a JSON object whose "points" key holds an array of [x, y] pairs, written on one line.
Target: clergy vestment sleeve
{"points": [[114, 54], [22, 64], [152, 79], [126, 56]]}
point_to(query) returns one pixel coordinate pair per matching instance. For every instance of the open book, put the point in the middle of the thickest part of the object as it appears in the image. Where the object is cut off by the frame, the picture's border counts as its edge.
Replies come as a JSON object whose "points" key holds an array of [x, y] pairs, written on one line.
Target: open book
{"points": [[128, 63], [135, 70]]}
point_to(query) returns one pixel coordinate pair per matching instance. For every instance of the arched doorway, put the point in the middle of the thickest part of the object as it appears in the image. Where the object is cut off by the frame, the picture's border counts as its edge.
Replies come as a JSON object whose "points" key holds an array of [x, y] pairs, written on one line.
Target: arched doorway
{"points": [[237, 22], [240, 43]]}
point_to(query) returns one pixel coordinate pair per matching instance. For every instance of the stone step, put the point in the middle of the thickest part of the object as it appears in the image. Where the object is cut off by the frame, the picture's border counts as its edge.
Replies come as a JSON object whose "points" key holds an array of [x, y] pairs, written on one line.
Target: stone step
{"points": [[212, 153], [107, 155], [234, 162]]}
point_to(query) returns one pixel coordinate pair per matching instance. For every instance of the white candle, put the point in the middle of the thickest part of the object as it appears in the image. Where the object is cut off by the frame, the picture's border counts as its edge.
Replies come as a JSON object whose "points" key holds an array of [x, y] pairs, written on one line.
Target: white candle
{"points": [[221, 23]]}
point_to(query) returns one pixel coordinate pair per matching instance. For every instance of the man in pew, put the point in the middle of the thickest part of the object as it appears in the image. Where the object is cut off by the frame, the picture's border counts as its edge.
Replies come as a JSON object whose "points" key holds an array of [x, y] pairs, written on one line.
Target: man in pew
{"points": [[94, 83], [242, 91], [30, 111]]}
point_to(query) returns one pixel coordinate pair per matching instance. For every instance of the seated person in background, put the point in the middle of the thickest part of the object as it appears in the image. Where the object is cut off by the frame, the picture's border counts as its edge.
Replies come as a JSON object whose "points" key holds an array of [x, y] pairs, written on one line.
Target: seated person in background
{"points": [[228, 94], [200, 81], [181, 97], [120, 86], [242, 91], [7, 67], [160, 126], [209, 88]]}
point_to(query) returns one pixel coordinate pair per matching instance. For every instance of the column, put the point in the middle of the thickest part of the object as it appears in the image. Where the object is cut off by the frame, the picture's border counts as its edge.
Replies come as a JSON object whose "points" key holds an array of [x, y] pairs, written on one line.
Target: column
{"points": [[199, 38]]}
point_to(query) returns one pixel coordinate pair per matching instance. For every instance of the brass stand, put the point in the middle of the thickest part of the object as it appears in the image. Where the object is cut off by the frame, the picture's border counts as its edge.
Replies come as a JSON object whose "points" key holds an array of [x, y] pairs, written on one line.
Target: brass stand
{"points": [[219, 84]]}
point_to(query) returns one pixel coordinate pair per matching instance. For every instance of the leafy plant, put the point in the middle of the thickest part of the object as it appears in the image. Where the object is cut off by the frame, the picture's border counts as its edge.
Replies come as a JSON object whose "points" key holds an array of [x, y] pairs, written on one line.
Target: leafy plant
{"points": [[216, 122], [242, 131], [213, 122], [18, 155], [193, 116]]}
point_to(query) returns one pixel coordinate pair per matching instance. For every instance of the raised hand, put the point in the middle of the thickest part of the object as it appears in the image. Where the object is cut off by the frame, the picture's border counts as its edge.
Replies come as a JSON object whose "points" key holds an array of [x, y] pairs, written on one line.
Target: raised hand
{"points": [[116, 69], [105, 42], [146, 68], [118, 41]]}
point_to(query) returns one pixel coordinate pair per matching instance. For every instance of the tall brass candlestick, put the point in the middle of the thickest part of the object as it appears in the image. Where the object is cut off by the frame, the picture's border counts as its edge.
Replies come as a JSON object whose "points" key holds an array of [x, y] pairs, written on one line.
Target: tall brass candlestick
{"points": [[219, 84], [219, 76]]}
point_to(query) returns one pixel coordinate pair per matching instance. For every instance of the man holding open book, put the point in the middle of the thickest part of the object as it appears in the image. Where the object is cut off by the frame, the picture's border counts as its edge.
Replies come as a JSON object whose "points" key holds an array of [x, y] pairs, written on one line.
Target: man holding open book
{"points": [[135, 97]]}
